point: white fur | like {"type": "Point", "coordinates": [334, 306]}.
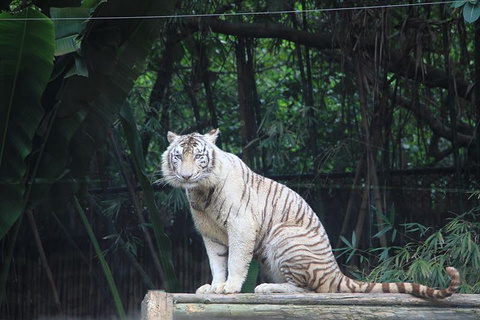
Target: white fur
{"type": "Point", "coordinates": [229, 246]}
{"type": "Point", "coordinates": [239, 213]}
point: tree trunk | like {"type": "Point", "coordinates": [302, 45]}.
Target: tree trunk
{"type": "Point", "coordinates": [477, 93]}
{"type": "Point", "coordinates": [453, 111]}
{"type": "Point", "coordinates": [371, 151]}
{"type": "Point", "coordinates": [158, 106]}
{"type": "Point", "coordinates": [246, 94]}
{"type": "Point", "coordinates": [207, 85]}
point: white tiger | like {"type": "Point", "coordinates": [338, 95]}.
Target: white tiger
{"type": "Point", "coordinates": [241, 214]}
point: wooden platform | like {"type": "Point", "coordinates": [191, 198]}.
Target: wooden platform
{"type": "Point", "coordinates": [166, 306]}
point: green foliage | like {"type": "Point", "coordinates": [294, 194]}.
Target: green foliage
{"type": "Point", "coordinates": [471, 9]}
{"type": "Point", "coordinates": [26, 62]}
{"type": "Point", "coordinates": [350, 249]}
{"type": "Point", "coordinates": [457, 244]}
{"type": "Point", "coordinates": [85, 107]}
{"type": "Point", "coordinates": [47, 145]}
{"type": "Point", "coordinates": [251, 279]}
{"type": "Point", "coordinates": [69, 23]}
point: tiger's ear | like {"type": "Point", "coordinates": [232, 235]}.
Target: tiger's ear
{"type": "Point", "coordinates": [171, 136]}
{"type": "Point", "coordinates": [212, 135]}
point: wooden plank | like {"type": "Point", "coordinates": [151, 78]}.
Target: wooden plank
{"type": "Point", "coordinates": [307, 306]}
{"type": "Point", "coordinates": [458, 300]}
{"type": "Point", "coordinates": [157, 305]}
{"type": "Point", "coordinates": [312, 312]}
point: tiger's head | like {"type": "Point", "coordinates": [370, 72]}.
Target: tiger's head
{"type": "Point", "coordinates": [189, 159]}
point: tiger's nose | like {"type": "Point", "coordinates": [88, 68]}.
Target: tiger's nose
{"type": "Point", "coordinates": [187, 176]}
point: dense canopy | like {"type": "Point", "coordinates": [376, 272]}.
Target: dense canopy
{"type": "Point", "coordinates": [369, 109]}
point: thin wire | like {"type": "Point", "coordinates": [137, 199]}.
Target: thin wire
{"type": "Point", "coordinates": [255, 13]}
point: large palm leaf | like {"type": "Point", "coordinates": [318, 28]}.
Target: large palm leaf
{"type": "Point", "coordinates": [26, 62]}
{"type": "Point", "coordinates": [115, 51]}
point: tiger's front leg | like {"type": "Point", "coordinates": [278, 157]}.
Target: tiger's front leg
{"type": "Point", "coordinates": [241, 243]}
{"type": "Point", "coordinates": [217, 257]}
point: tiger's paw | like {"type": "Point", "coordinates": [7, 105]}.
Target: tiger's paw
{"type": "Point", "coordinates": [233, 286]}
{"type": "Point", "coordinates": [211, 288]}
{"type": "Point", "coordinates": [279, 288]}
{"type": "Point", "coordinates": [263, 288]}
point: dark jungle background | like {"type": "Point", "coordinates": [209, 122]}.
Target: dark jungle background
{"type": "Point", "coordinates": [368, 109]}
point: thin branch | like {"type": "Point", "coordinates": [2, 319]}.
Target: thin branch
{"type": "Point", "coordinates": [420, 110]}
{"type": "Point", "coordinates": [428, 75]}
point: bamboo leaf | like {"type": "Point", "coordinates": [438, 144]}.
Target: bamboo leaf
{"type": "Point", "coordinates": [344, 240]}
{"type": "Point", "coordinates": [383, 231]}
{"type": "Point", "coordinates": [350, 256]}
{"type": "Point", "coordinates": [101, 258]}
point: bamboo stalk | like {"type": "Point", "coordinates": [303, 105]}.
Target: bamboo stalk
{"type": "Point", "coordinates": [362, 214]}
{"type": "Point", "coordinates": [43, 258]}
{"type": "Point", "coordinates": [348, 211]}
{"type": "Point", "coordinates": [451, 104]}
{"type": "Point", "coordinates": [378, 202]}
{"type": "Point", "coordinates": [371, 170]}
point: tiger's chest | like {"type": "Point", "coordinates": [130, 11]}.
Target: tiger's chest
{"type": "Point", "coordinates": [211, 212]}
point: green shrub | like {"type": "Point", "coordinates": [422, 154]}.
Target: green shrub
{"type": "Point", "coordinates": [456, 244]}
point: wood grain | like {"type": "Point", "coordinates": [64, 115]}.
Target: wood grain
{"type": "Point", "coordinates": [307, 306]}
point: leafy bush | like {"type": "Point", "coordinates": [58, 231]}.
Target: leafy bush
{"type": "Point", "coordinates": [456, 244]}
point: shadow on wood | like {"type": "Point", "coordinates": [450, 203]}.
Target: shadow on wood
{"type": "Point", "coordinates": [167, 306]}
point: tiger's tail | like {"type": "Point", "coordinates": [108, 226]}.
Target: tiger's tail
{"type": "Point", "coordinates": [348, 285]}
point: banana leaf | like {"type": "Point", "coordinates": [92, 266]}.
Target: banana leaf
{"type": "Point", "coordinates": [26, 63]}
{"type": "Point", "coordinates": [69, 24]}
{"type": "Point", "coordinates": [116, 51]}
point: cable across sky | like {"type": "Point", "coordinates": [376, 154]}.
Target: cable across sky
{"type": "Point", "coordinates": [251, 13]}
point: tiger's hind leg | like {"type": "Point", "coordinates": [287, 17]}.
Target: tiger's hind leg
{"type": "Point", "coordinates": [287, 262]}
{"type": "Point", "coordinates": [279, 288]}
